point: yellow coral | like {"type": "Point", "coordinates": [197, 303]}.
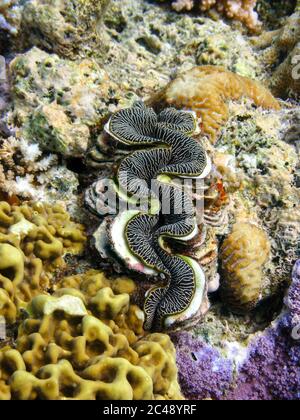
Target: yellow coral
{"type": "Point", "coordinates": [33, 240]}
{"type": "Point", "coordinates": [63, 352]}
{"type": "Point", "coordinates": [243, 255]}
{"type": "Point", "coordinates": [207, 89]}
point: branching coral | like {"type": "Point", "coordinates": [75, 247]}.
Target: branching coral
{"type": "Point", "coordinates": [240, 10]}
{"type": "Point", "coordinates": [69, 349]}
{"type": "Point", "coordinates": [33, 240]}
{"type": "Point", "coordinates": [21, 164]}
{"type": "Point", "coordinates": [280, 49]}
{"type": "Point", "coordinates": [243, 255]}
{"type": "Point", "coordinates": [136, 236]}
{"type": "Point", "coordinates": [206, 90]}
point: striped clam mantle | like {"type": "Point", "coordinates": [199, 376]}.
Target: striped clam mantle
{"type": "Point", "coordinates": [160, 149]}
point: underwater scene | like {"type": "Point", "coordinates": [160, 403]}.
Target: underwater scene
{"type": "Point", "coordinates": [150, 200]}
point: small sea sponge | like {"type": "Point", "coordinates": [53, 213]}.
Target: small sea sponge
{"type": "Point", "coordinates": [206, 90]}
{"type": "Point", "coordinates": [33, 241]}
{"type": "Point", "coordinates": [243, 255]}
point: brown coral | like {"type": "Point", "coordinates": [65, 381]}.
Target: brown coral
{"type": "Point", "coordinates": [65, 351]}
{"type": "Point", "coordinates": [33, 240]}
{"type": "Point", "coordinates": [240, 10]}
{"type": "Point", "coordinates": [280, 49]}
{"type": "Point", "coordinates": [243, 255]}
{"type": "Point", "coordinates": [207, 89]}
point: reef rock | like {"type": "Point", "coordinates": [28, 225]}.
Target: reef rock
{"type": "Point", "coordinates": [57, 102]}
{"type": "Point", "coordinates": [280, 49]}
{"type": "Point", "coordinates": [64, 27]}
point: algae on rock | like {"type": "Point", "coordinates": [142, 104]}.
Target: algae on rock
{"type": "Point", "coordinates": [64, 27]}
{"type": "Point", "coordinates": [56, 102]}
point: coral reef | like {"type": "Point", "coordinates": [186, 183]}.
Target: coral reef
{"type": "Point", "coordinates": [240, 10]}
{"type": "Point", "coordinates": [264, 159]}
{"type": "Point", "coordinates": [21, 165]}
{"type": "Point", "coordinates": [136, 236]}
{"type": "Point", "coordinates": [206, 90]}
{"type": "Point", "coordinates": [272, 368]}
{"type": "Point", "coordinates": [87, 343]}
{"type": "Point", "coordinates": [203, 371]}
{"type": "Point", "coordinates": [243, 255]}
{"type": "Point", "coordinates": [280, 49]}
{"type": "Point", "coordinates": [228, 48]}
{"type": "Point", "coordinates": [57, 102]}
{"type": "Point", "coordinates": [265, 369]}
{"type": "Point", "coordinates": [33, 240]}
{"type": "Point", "coordinates": [64, 27]}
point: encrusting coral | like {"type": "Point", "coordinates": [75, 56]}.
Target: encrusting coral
{"type": "Point", "coordinates": [58, 102]}
{"type": "Point", "coordinates": [206, 90]}
{"type": "Point", "coordinates": [266, 368]}
{"type": "Point", "coordinates": [70, 348]}
{"type": "Point", "coordinates": [33, 240]}
{"type": "Point", "coordinates": [64, 27]}
{"type": "Point", "coordinates": [243, 255]}
{"type": "Point", "coordinates": [279, 50]}
{"type": "Point", "coordinates": [240, 10]}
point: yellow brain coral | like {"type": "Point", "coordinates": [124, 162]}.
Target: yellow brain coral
{"type": "Point", "coordinates": [71, 348]}
{"type": "Point", "coordinates": [207, 89]}
{"type": "Point", "coordinates": [243, 255]}
{"type": "Point", "coordinates": [33, 240]}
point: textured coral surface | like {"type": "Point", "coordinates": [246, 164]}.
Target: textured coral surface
{"type": "Point", "coordinates": [34, 238]}
{"type": "Point", "coordinates": [207, 89]}
{"type": "Point", "coordinates": [87, 342]}
{"type": "Point", "coordinates": [71, 318]}
{"type": "Point", "coordinates": [241, 10]}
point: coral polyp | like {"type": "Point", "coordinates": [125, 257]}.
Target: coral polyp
{"type": "Point", "coordinates": [137, 237]}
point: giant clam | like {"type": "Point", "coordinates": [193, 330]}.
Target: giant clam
{"type": "Point", "coordinates": [160, 150]}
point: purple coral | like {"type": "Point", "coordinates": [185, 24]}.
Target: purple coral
{"type": "Point", "coordinates": [203, 372]}
{"type": "Point", "coordinates": [270, 372]}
